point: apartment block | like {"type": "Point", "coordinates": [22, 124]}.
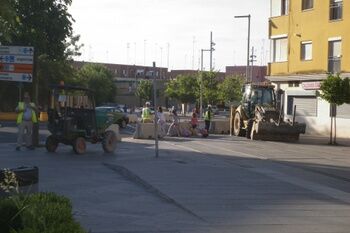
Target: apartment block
{"type": "Point", "coordinates": [309, 39]}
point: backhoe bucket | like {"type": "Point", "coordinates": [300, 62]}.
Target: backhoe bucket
{"type": "Point", "coordinates": [270, 131]}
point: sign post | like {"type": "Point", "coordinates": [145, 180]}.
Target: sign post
{"type": "Point", "coordinates": [16, 63]}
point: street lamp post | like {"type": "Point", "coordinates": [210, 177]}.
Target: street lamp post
{"type": "Point", "coordinates": [248, 47]}
{"type": "Point", "coordinates": [201, 84]}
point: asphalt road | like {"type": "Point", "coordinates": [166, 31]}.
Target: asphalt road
{"type": "Point", "coordinates": [219, 184]}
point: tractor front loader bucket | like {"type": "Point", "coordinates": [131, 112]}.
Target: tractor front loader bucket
{"type": "Point", "coordinates": [270, 131]}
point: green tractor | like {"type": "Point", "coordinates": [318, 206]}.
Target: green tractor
{"type": "Point", "coordinates": [72, 120]}
{"type": "Point", "coordinates": [260, 118]}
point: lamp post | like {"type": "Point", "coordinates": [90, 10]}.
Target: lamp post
{"type": "Point", "coordinates": [247, 68]}
{"type": "Point", "coordinates": [201, 84]}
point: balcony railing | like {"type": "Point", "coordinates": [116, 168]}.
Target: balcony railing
{"type": "Point", "coordinates": [334, 65]}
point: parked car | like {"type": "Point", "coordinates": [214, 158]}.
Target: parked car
{"type": "Point", "coordinates": [117, 114]}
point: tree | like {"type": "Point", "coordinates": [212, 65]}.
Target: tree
{"type": "Point", "coordinates": [210, 87]}
{"type": "Point", "coordinates": [144, 90]}
{"type": "Point", "coordinates": [7, 18]}
{"type": "Point", "coordinates": [230, 89]}
{"type": "Point", "coordinates": [47, 26]}
{"type": "Point", "coordinates": [184, 88]}
{"type": "Point", "coordinates": [99, 79]}
{"type": "Point", "coordinates": [336, 91]}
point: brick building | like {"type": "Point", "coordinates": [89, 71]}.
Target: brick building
{"type": "Point", "coordinates": [258, 72]}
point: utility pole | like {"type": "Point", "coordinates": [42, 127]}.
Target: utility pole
{"type": "Point", "coordinates": [212, 44]}
{"type": "Point", "coordinates": [201, 84]}
{"type": "Point", "coordinates": [252, 60]}
{"type": "Point", "coordinates": [155, 110]}
{"type": "Point", "coordinates": [193, 47]}
{"type": "Point", "coordinates": [127, 52]}
{"type": "Point", "coordinates": [248, 42]}
{"type": "Point", "coordinates": [168, 55]}
{"type": "Point", "coordinates": [144, 52]}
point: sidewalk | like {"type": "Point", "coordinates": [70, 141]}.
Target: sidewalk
{"type": "Point", "coordinates": [323, 140]}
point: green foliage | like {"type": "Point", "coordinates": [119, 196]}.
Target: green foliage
{"type": "Point", "coordinates": [144, 90]}
{"type": "Point", "coordinates": [99, 79]}
{"type": "Point", "coordinates": [230, 89]}
{"type": "Point", "coordinates": [184, 88]}
{"type": "Point", "coordinates": [40, 212]}
{"type": "Point", "coordinates": [210, 87]}
{"type": "Point", "coordinates": [335, 90]}
{"type": "Point", "coordinates": [9, 219]}
{"type": "Point", "coordinates": [46, 25]}
{"type": "Point", "coordinates": [7, 19]}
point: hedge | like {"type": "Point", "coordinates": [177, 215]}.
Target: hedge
{"type": "Point", "coordinates": [39, 212]}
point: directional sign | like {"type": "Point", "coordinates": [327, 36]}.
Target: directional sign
{"type": "Point", "coordinates": [16, 63]}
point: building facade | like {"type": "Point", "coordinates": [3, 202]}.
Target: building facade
{"type": "Point", "coordinates": [257, 73]}
{"type": "Point", "coordinates": [309, 39]}
{"type": "Point", "coordinates": [127, 77]}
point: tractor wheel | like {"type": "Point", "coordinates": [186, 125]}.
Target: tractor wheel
{"type": "Point", "coordinates": [249, 128]}
{"type": "Point", "coordinates": [79, 145]}
{"type": "Point", "coordinates": [237, 125]}
{"type": "Point", "coordinates": [51, 144]}
{"type": "Point", "coordinates": [109, 142]}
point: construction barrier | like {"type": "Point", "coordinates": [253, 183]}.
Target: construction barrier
{"type": "Point", "coordinates": [8, 116]}
{"type": "Point", "coordinates": [12, 116]}
{"type": "Point", "coordinates": [133, 118]}
{"type": "Point", "coordinates": [220, 127]}
{"type": "Point", "coordinates": [43, 117]}
{"type": "Point", "coordinates": [115, 129]}
{"type": "Point", "coordinates": [144, 131]}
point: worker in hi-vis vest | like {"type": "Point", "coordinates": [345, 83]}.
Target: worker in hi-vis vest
{"type": "Point", "coordinates": [26, 117]}
{"type": "Point", "coordinates": [207, 118]}
{"type": "Point", "coordinates": [146, 113]}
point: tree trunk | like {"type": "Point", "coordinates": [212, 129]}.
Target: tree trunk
{"type": "Point", "coordinates": [331, 132]}
{"type": "Point", "coordinates": [335, 131]}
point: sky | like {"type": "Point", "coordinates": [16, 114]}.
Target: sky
{"type": "Point", "coordinates": [170, 32]}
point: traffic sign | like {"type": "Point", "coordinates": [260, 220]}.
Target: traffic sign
{"type": "Point", "coordinates": [16, 63]}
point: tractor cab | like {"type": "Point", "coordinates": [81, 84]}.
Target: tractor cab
{"type": "Point", "coordinates": [257, 95]}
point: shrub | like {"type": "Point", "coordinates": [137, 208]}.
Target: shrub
{"type": "Point", "coordinates": [9, 218]}
{"type": "Point", "coordinates": [40, 212]}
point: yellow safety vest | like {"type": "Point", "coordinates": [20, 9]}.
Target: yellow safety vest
{"type": "Point", "coordinates": [146, 114]}
{"type": "Point", "coordinates": [20, 115]}
{"type": "Point", "coordinates": [206, 116]}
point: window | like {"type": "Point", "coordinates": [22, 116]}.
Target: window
{"type": "Point", "coordinates": [336, 9]}
{"type": "Point", "coordinates": [306, 51]}
{"type": "Point", "coordinates": [280, 49]}
{"type": "Point", "coordinates": [334, 56]}
{"type": "Point", "coordinates": [293, 84]}
{"type": "Point", "coordinates": [279, 7]}
{"type": "Point", "coordinates": [307, 4]}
